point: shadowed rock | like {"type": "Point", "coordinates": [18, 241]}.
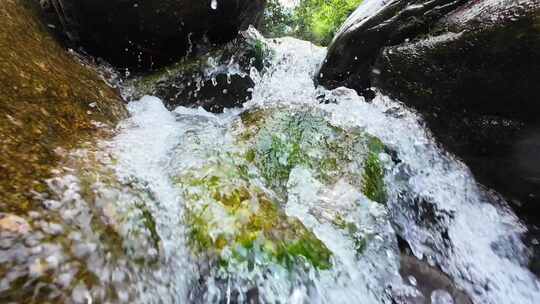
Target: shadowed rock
{"type": "Point", "coordinates": [145, 34]}
{"type": "Point", "coordinates": [475, 78]}
{"type": "Point", "coordinates": [355, 48]}
{"type": "Point", "coordinates": [217, 79]}
{"type": "Point", "coordinates": [471, 68]}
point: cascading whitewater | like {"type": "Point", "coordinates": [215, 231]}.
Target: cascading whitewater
{"type": "Point", "coordinates": [298, 198]}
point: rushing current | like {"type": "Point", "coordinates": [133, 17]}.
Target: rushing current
{"type": "Point", "coordinates": [302, 196]}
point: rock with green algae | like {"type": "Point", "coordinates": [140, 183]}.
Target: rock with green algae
{"type": "Point", "coordinates": [240, 197]}
{"type": "Point", "coordinates": [283, 139]}
{"type": "Point", "coordinates": [234, 199]}
{"type": "Point", "coordinates": [48, 99]}
{"type": "Point", "coordinates": [217, 79]}
{"type": "Point", "coordinates": [234, 221]}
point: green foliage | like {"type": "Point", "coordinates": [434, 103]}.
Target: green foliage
{"type": "Point", "coordinates": [313, 20]}
{"type": "Point", "coordinates": [320, 19]}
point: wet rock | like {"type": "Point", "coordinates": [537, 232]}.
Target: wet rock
{"type": "Point", "coordinates": [435, 286]}
{"type": "Point", "coordinates": [48, 99]}
{"type": "Point", "coordinates": [286, 140]}
{"type": "Point", "coordinates": [239, 233]}
{"type": "Point", "coordinates": [144, 34]}
{"type": "Point", "coordinates": [13, 224]}
{"type": "Point", "coordinates": [240, 190]}
{"type": "Point", "coordinates": [374, 25]}
{"type": "Point", "coordinates": [477, 59]}
{"type": "Point", "coordinates": [217, 79]}
{"type": "Point", "coordinates": [471, 71]}
{"type": "Point", "coordinates": [474, 79]}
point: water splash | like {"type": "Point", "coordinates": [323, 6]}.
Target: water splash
{"type": "Point", "coordinates": [115, 230]}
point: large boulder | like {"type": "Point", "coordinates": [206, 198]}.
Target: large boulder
{"type": "Point", "coordinates": [49, 99]}
{"type": "Point", "coordinates": [484, 57]}
{"type": "Point", "coordinates": [475, 79]}
{"type": "Point", "coordinates": [471, 71]}
{"type": "Point", "coordinates": [374, 25]}
{"type": "Point", "coordinates": [144, 34]}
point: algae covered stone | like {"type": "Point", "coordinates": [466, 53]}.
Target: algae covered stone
{"type": "Point", "coordinates": [48, 99]}
{"type": "Point", "coordinates": [235, 200]}
{"type": "Point", "coordinates": [283, 139]}
{"type": "Point", "coordinates": [234, 221]}
{"type": "Point", "coordinates": [259, 208]}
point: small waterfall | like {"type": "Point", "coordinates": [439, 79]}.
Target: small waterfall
{"type": "Point", "coordinates": [124, 224]}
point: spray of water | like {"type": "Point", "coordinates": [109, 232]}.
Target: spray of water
{"type": "Point", "coordinates": [122, 225]}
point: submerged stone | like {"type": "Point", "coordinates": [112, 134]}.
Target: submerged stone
{"type": "Point", "coordinates": [283, 139]}
{"type": "Point", "coordinates": [220, 78]}
{"type": "Point", "coordinates": [234, 221]}
{"type": "Point", "coordinates": [147, 34]}
{"type": "Point", "coordinates": [236, 179]}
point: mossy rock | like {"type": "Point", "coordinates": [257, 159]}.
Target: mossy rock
{"type": "Point", "coordinates": [122, 214]}
{"type": "Point", "coordinates": [282, 139]}
{"type": "Point", "coordinates": [100, 220]}
{"type": "Point", "coordinates": [241, 187]}
{"type": "Point", "coordinates": [48, 99]}
{"type": "Point", "coordinates": [234, 221]}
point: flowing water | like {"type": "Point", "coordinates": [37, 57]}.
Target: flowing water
{"type": "Point", "coordinates": [300, 197]}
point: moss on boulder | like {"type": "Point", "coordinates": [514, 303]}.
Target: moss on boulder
{"type": "Point", "coordinates": [48, 99]}
{"type": "Point", "coordinates": [234, 221]}
{"type": "Point", "coordinates": [282, 139]}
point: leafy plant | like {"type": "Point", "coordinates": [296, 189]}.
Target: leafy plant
{"type": "Point", "coordinates": [278, 21]}
{"type": "Point", "coordinates": [313, 20]}
{"type": "Point", "coordinates": [319, 20]}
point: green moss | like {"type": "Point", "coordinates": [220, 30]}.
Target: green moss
{"type": "Point", "coordinates": [351, 229]}
{"type": "Point", "coordinates": [283, 139]}
{"type": "Point", "coordinates": [261, 54]}
{"type": "Point", "coordinates": [373, 177]}
{"type": "Point", "coordinates": [299, 139]}
{"type": "Point", "coordinates": [234, 222]}
{"type": "Point", "coordinates": [149, 223]}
